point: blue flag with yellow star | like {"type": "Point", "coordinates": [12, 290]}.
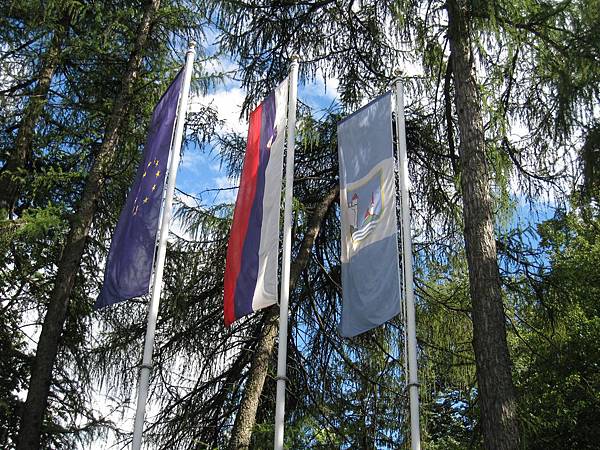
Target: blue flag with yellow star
{"type": "Point", "coordinates": [131, 255]}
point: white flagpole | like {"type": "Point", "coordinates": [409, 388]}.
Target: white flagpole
{"type": "Point", "coordinates": [146, 366]}
{"type": "Point", "coordinates": [287, 250]}
{"type": "Point", "coordinates": [407, 265]}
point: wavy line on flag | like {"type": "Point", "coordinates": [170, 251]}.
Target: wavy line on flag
{"type": "Point", "coordinates": [363, 232]}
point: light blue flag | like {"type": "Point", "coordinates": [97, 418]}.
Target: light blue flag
{"type": "Point", "coordinates": [370, 273]}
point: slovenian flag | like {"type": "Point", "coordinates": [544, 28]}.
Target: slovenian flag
{"type": "Point", "coordinates": [252, 253]}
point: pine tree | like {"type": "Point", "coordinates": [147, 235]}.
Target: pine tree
{"type": "Point", "coordinates": [498, 402]}
{"type": "Point", "coordinates": [13, 170]}
{"type": "Point", "coordinates": [75, 244]}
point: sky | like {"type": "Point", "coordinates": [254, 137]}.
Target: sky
{"type": "Point", "coordinates": [200, 169]}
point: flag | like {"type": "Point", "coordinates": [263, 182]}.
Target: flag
{"type": "Point", "coordinates": [251, 266]}
{"type": "Point", "coordinates": [370, 275]}
{"type": "Point", "coordinates": [131, 255]}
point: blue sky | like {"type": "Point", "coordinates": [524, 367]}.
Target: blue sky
{"type": "Point", "coordinates": [200, 168]}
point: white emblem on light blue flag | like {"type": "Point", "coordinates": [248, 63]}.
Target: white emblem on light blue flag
{"type": "Point", "coordinates": [370, 282]}
{"type": "Point", "coordinates": [365, 207]}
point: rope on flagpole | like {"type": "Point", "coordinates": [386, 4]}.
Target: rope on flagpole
{"type": "Point", "coordinates": [146, 366]}
{"type": "Point", "coordinates": [403, 338]}
{"type": "Point", "coordinates": [398, 74]}
{"type": "Point", "coordinates": [287, 251]}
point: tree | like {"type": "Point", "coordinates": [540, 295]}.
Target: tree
{"type": "Point", "coordinates": [557, 352]}
{"type": "Point", "coordinates": [506, 63]}
{"type": "Point", "coordinates": [13, 171]}
{"type": "Point", "coordinates": [58, 155]}
{"type": "Point", "coordinates": [47, 347]}
{"type": "Point", "coordinates": [13, 375]}
{"type": "Point", "coordinates": [490, 34]}
{"type": "Point", "coordinates": [102, 159]}
{"type": "Point", "coordinates": [288, 33]}
{"type": "Point", "coordinates": [498, 402]}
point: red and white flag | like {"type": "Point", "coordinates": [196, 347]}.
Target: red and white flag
{"type": "Point", "coordinates": [251, 268]}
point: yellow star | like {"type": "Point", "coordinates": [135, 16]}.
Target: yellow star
{"type": "Point", "coordinates": [150, 163]}
{"type": "Point", "coordinates": [153, 187]}
{"type": "Point", "coordinates": [144, 175]}
{"type": "Point", "coordinates": [146, 200]}
{"type": "Point", "coordinates": [158, 173]}
{"type": "Point", "coordinates": [156, 162]}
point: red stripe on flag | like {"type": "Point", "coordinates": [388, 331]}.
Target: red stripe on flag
{"type": "Point", "coordinates": [241, 213]}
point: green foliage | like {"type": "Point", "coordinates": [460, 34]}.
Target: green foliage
{"type": "Point", "coordinates": [13, 372]}
{"type": "Point", "coordinates": [558, 358]}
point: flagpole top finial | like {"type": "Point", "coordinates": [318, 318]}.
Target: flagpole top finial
{"type": "Point", "coordinates": [192, 45]}
{"type": "Point", "coordinates": [398, 72]}
{"type": "Point", "coordinates": [295, 58]}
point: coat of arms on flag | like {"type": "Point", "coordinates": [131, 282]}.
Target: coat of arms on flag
{"type": "Point", "coordinates": [365, 207]}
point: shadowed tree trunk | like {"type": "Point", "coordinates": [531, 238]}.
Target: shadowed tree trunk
{"type": "Point", "coordinates": [496, 390]}
{"type": "Point", "coordinates": [47, 348]}
{"type": "Point", "coordinates": [14, 167]}
{"type": "Point", "coordinates": [246, 417]}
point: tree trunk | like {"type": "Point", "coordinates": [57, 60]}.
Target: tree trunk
{"type": "Point", "coordinates": [496, 390]}
{"type": "Point", "coordinates": [14, 167]}
{"type": "Point", "coordinates": [246, 417]}
{"type": "Point", "coordinates": [47, 348]}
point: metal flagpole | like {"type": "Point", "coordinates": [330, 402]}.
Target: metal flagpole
{"type": "Point", "coordinates": [407, 265]}
{"type": "Point", "coordinates": [146, 366]}
{"type": "Point", "coordinates": [287, 250]}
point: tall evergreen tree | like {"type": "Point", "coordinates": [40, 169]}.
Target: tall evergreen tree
{"type": "Point", "coordinates": [48, 343]}
{"type": "Point", "coordinates": [13, 171]}
{"type": "Point", "coordinates": [83, 125]}
{"type": "Point", "coordinates": [498, 402]}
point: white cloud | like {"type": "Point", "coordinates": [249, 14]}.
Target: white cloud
{"type": "Point", "coordinates": [228, 104]}
{"type": "Point", "coordinates": [215, 166]}
{"type": "Point", "coordinates": [189, 200]}
{"type": "Point", "coordinates": [191, 159]}
{"type": "Point", "coordinates": [320, 93]}
{"type": "Point", "coordinates": [220, 65]}
{"type": "Point", "coordinates": [326, 86]}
